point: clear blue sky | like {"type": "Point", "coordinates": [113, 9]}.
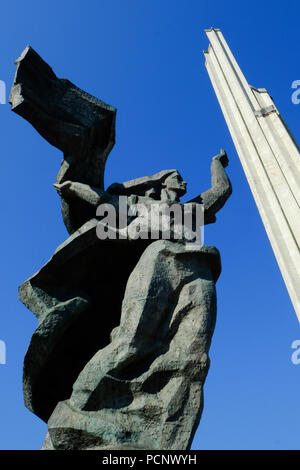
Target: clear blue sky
{"type": "Point", "coordinates": [145, 58]}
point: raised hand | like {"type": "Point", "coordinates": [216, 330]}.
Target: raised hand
{"type": "Point", "coordinates": [222, 157]}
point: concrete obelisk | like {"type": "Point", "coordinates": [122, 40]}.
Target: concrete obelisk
{"type": "Point", "coordinates": [269, 155]}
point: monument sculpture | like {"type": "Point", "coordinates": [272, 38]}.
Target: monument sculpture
{"type": "Point", "coordinates": [120, 354]}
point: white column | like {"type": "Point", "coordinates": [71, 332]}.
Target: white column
{"type": "Point", "coordinates": [269, 155]}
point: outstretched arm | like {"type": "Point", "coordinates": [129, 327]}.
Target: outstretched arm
{"type": "Point", "coordinates": [90, 194]}
{"type": "Point", "coordinates": [214, 198]}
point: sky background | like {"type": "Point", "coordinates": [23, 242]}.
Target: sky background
{"type": "Point", "coordinates": [145, 58]}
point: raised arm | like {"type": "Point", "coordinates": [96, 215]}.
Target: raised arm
{"type": "Point", "coordinates": [214, 198]}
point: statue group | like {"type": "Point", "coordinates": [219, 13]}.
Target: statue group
{"type": "Point", "coordinates": [120, 355]}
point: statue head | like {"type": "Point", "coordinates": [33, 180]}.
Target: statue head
{"type": "Point", "coordinates": [174, 182]}
{"type": "Point", "coordinates": [151, 186]}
